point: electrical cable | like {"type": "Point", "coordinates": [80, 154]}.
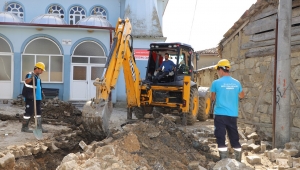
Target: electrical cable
{"type": "Point", "coordinates": [192, 21]}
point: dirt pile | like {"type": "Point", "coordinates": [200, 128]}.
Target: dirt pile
{"type": "Point", "coordinates": [151, 144]}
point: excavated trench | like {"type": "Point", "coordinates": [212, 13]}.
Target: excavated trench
{"type": "Point", "coordinates": [142, 144]}
{"type": "Point", "coordinates": [61, 143]}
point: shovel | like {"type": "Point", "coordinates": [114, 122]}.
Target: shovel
{"type": "Point", "coordinates": [38, 133]}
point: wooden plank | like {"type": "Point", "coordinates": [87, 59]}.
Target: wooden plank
{"type": "Point", "coordinates": [252, 44]}
{"type": "Point", "coordinates": [271, 35]}
{"type": "Point", "coordinates": [295, 43]}
{"type": "Point", "coordinates": [296, 20]}
{"type": "Point", "coordinates": [270, 50]}
{"type": "Point", "coordinates": [295, 48]}
{"type": "Point", "coordinates": [262, 25]}
{"type": "Point", "coordinates": [295, 30]}
{"type": "Point", "coordinates": [270, 10]}
{"type": "Point", "coordinates": [296, 3]}
{"type": "Point", "coordinates": [294, 40]}
{"type": "Point", "coordinates": [264, 36]}
{"type": "Point", "coordinates": [261, 51]}
{"type": "Point", "coordinates": [296, 12]}
{"type": "Point", "coordinates": [265, 24]}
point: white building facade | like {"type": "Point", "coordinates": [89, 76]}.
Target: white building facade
{"type": "Point", "coordinates": [72, 38]}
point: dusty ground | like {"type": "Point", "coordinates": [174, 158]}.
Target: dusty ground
{"type": "Point", "coordinates": [10, 130]}
{"type": "Point", "coordinates": [143, 144]}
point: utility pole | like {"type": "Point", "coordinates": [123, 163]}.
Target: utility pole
{"type": "Point", "coordinates": [283, 92]}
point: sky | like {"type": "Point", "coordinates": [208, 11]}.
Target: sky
{"type": "Point", "coordinates": [201, 23]}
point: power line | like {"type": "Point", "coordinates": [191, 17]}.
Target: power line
{"type": "Point", "coordinates": [192, 21]}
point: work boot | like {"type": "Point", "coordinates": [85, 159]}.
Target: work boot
{"type": "Point", "coordinates": [223, 154]}
{"type": "Point", "coordinates": [39, 125]}
{"type": "Point", "coordinates": [25, 128]}
{"type": "Point", "coordinates": [238, 155]}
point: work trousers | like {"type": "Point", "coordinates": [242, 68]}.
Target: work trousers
{"type": "Point", "coordinates": [29, 108]}
{"type": "Point", "coordinates": [229, 124]}
{"type": "Point", "coordinates": [160, 75]}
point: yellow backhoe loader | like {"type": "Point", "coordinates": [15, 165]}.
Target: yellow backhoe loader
{"type": "Point", "coordinates": [173, 93]}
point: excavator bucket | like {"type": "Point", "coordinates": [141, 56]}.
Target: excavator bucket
{"type": "Point", "coordinates": [96, 117]}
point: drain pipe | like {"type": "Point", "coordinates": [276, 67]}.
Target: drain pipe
{"type": "Point", "coordinates": [274, 83]}
{"type": "Point", "coordinates": [283, 92]}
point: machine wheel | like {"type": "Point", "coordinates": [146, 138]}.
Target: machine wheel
{"type": "Point", "coordinates": [193, 107]}
{"type": "Point", "coordinates": [204, 108]}
{"type": "Point", "coordinates": [139, 112]}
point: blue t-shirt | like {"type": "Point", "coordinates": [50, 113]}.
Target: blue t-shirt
{"type": "Point", "coordinates": [227, 91]}
{"type": "Point", "coordinates": [38, 92]}
{"type": "Point", "coordinates": [168, 65]}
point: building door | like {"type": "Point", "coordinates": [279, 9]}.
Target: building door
{"type": "Point", "coordinates": [83, 79]}
{"type": "Point", "coordinates": [87, 65]}
{"type": "Point", "coordinates": [80, 82]}
{"type": "Point", "coordinates": [6, 60]}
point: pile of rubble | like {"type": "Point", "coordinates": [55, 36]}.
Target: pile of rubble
{"type": "Point", "coordinates": [160, 144]}
{"type": "Point", "coordinates": [55, 111]}
{"type": "Point", "coordinates": [156, 144]}
{"type": "Point", "coordinates": [153, 143]}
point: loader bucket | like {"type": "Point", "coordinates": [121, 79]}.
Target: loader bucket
{"type": "Point", "coordinates": [96, 117]}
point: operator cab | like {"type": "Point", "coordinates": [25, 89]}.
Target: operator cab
{"type": "Point", "coordinates": [180, 54]}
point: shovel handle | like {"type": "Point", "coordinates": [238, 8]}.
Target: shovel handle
{"type": "Point", "coordinates": [34, 99]}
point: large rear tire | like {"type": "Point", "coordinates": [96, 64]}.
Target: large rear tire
{"type": "Point", "coordinates": [204, 107]}
{"type": "Point", "coordinates": [140, 112]}
{"type": "Point", "coordinates": [193, 107]}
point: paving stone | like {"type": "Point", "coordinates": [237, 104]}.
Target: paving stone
{"type": "Point", "coordinates": [252, 136]}
{"type": "Point", "coordinates": [27, 151]}
{"type": "Point", "coordinates": [253, 159]}
{"type": "Point", "coordinates": [53, 148]}
{"type": "Point", "coordinates": [282, 163]}
{"type": "Point", "coordinates": [212, 140]}
{"type": "Point", "coordinates": [82, 145]}
{"type": "Point", "coordinates": [43, 148]}
{"type": "Point", "coordinates": [296, 162]}
{"type": "Point", "coordinates": [193, 165]}
{"type": "Point", "coordinates": [68, 165]}
{"type": "Point", "coordinates": [248, 130]}
{"type": "Point", "coordinates": [271, 154]}
{"type": "Point", "coordinates": [230, 164]}
{"type": "Point", "coordinates": [291, 152]}
{"type": "Point", "coordinates": [255, 148]}
{"type": "Point", "coordinates": [244, 146]}
{"type": "Point", "coordinates": [36, 150]}
{"type": "Point", "coordinates": [263, 147]}
{"type": "Point", "coordinates": [7, 161]}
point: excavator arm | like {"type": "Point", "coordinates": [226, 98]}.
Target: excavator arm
{"type": "Point", "coordinates": [96, 113]}
{"type": "Point", "coordinates": [121, 55]}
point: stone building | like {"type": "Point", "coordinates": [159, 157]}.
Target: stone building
{"type": "Point", "coordinates": [207, 57]}
{"type": "Point", "coordinates": [250, 46]}
{"type": "Point", "coordinates": [73, 39]}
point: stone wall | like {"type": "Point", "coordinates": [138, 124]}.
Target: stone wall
{"type": "Point", "coordinates": [256, 76]}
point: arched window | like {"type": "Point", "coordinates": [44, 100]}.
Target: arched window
{"type": "Point", "coordinates": [76, 13]}
{"type": "Point", "coordinates": [5, 60]}
{"type": "Point", "coordinates": [56, 9]}
{"type": "Point", "coordinates": [47, 51]}
{"type": "Point", "coordinates": [16, 9]}
{"type": "Point", "coordinates": [99, 11]}
{"type": "Point", "coordinates": [89, 53]}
